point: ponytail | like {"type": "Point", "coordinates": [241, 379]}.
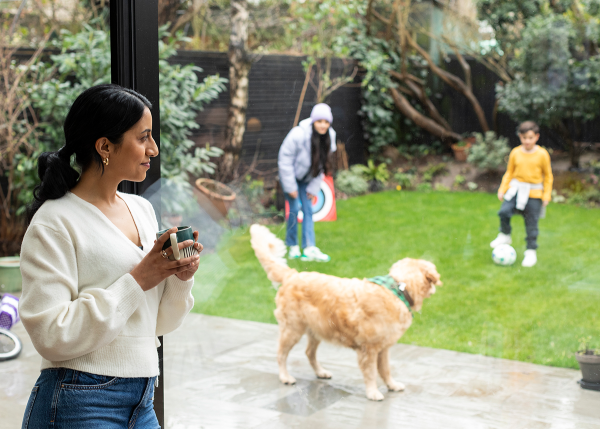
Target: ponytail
{"type": "Point", "coordinates": [100, 111]}
{"type": "Point", "coordinates": [57, 177]}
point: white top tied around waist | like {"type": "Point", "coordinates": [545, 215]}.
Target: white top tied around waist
{"type": "Point", "coordinates": [521, 190]}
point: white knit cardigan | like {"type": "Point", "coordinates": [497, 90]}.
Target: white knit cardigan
{"type": "Point", "coordinates": [80, 306]}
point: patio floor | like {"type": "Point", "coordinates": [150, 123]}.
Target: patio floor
{"type": "Point", "coordinates": [222, 373]}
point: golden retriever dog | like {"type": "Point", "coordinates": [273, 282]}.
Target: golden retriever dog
{"type": "Point", "coordinates": [355, 313]}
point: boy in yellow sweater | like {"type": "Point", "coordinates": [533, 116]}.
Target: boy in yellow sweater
{"type": "Point", "coordinates": [526, 188]}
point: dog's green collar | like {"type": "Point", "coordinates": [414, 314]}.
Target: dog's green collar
{"type": "Point", "coordinates": [399, 289]}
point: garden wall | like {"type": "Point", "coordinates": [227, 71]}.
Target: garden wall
{"type": "Point", "coordinates": [274, 91]}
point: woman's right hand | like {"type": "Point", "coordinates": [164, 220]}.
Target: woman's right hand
{"type": "Point", "coordinates": [293, 195]}
{"type": "Point", "coordinates": [500, 196]}
{"type": "Point", "coordinates": [154, 268]}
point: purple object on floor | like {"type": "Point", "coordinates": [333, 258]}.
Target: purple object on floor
{"type": "Point", "coordinates": [9, 311]}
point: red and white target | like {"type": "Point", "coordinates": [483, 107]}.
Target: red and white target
{"type": "Point", "coordinates": [323, 205]}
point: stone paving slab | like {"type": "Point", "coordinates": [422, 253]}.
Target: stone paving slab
{"type": "Point", "coordinates": [222, 373]}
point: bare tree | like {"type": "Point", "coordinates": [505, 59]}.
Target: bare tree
{"type": "Point", "coordinates": [240, 62]}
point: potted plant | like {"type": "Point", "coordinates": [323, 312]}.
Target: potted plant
{"type": "Point", "coordinates": [589, 362]}
{"type": "Point", "coordinates": [461, 150]}
{"type": "Point", "coordinates": [215, 193]}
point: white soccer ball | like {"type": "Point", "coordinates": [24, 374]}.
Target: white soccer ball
{"type": "Point", "coordinates": [504, 254]}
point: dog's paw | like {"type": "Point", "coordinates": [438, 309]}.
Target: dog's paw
{"type": "Point", "coordinates": [289, 380]}
{"type": "Point", "coordinates": [375, 395]}
{"type": "Point", "coordinates": [324, 374]}
{"type": "Point", "coordinates": [395, 386]}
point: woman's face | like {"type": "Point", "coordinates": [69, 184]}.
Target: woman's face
{"type": "Point", "coordinates": [321, 126]}
{"type": "Point", "coordinates": [132, 158]}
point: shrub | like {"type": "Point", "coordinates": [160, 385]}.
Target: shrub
{"type": "Point", "coordinates": [441, 188]}
{"type": "Point", "coordinates": [405, 179]}
{"type": "Point", "coordinates": [373, 173]}
{"type": "Point", "coordinates": [84, 61]}
{"type": "Point", "coordinates": [459, 180]}
{"type": "Point", "coordinates": [434, 170]}
{"type": "Point", "coordinates": [587, 197]}
{"type": "Point", "coordinates": [351, 182]}
{"type": "Point", "coordinates": [489, 151]}
{"type": "Point", "coordinates": [556, 198]}
{"type": "Point", "coordinates": [424, 187]}
{"type": "Point", "coordinates": [472, 186]}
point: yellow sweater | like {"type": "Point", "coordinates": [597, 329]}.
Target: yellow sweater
{"type": "Point", "coordinates": [531, 168]}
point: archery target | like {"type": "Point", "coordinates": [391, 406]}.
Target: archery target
{"type": "Point", "coordinates": [323, 205]}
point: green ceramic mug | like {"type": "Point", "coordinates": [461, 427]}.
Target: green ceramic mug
{"type": "Point", "coordinates": [183, 233]}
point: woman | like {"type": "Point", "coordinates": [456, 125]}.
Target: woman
{"type": "Point", "coordinates": [97, 288]}
{"type": "Point", "coordinates": [303, 161]}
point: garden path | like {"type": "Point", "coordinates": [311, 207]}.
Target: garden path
{"type": "Point", "coordinates": [222, 373]}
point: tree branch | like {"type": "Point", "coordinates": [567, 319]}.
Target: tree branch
{"type": "Point", "coordinates": [418, 91]}
{"type": "Point", "coordinates": [420, 120]}
{"type": "Point", "coordinates": [380, 17]}
{"type": "Point", "coordinates": [453, 81]}
{"type": "Point", "coordinates": [368, 17]}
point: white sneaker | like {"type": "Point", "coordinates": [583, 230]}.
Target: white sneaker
{"type": "Point", "coordinates": [501, 239]}
{"type": "Point", "coordinates": [530, 258]}
{"type": "Point", "coordinates": [313, 253]}
{"type": "Point", "coordinates": [294, 252]}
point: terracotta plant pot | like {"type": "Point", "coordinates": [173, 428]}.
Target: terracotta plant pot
{"type": "Point", "coordinates": [10, 274]}
{"type": "Point", "coordinates": [461, 152]}
{"type": "Point", "coordinates": [590, 369]}
{"type": "Point", "coordinates": [219, 195]}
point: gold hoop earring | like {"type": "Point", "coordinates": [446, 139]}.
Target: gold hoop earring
{"type": "Point", "coordinates": [105, 161]}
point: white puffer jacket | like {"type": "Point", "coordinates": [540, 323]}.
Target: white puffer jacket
{"type": "Point", "coordinates": [294, 158]}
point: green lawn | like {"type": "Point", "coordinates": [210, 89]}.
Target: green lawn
{"type": "Point", "coordinates": [535, 315]}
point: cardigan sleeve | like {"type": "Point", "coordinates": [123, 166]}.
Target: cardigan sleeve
{"type": "Point", "coordinates": [175, 303]}
{"type": "Point", "coordinates": [63, 322]}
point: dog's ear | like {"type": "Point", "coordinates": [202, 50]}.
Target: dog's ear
{"type": "Point", "coordinates": [431, 273]}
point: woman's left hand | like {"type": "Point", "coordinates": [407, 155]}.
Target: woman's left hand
{"type": "Point", "coordinates": [188, 274]}
{"type": "Point", "coordinates": [310, 196]}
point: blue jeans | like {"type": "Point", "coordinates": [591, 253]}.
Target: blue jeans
{"type": "Point", "coordinates": [308, 229]}
{"type": "Point", "coordinates": [65, 398]}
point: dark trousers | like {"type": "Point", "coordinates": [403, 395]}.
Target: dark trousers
{"type": "Point", "coordinates": [531, 213]}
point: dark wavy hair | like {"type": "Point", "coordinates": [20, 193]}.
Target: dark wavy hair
{"type": "Point", "coordinates": [320, 144]}
{"type": "Point", "coordinates": [100, 111]}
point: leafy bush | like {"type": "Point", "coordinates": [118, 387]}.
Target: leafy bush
{"type": "Point", "coordinates": [459, 180]}
{"type": "Point", "coordinates": [424, 187]}
{"type": "Point", "coordinates": [488, 152]}
{"type": "Point", "coordinates": [383, 124]}
{"type": "Point", "coordinates": [421, 150]}
{"type": "Point", "coordinates": [374, 173]}
{"type": "Point", "coordinates": [405, 180]}
{"type": "Point", "coordinates": [441, 188]}
{"type": "Point", "coordinates": [84, 61]}
{"type": "Point", "coordinates": [434, 170]}
{"type": "Point", "coordinates": [556, 198]}
{"type": "Point", "coordinates": [587, 197]}
{"type": "Point", "coordinates": [351, 182]}
{"type": "Point", "coordinates": [472, 186]}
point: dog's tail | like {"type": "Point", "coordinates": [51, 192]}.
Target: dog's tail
{"type": "Point", "coordinates": [270, 252]}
